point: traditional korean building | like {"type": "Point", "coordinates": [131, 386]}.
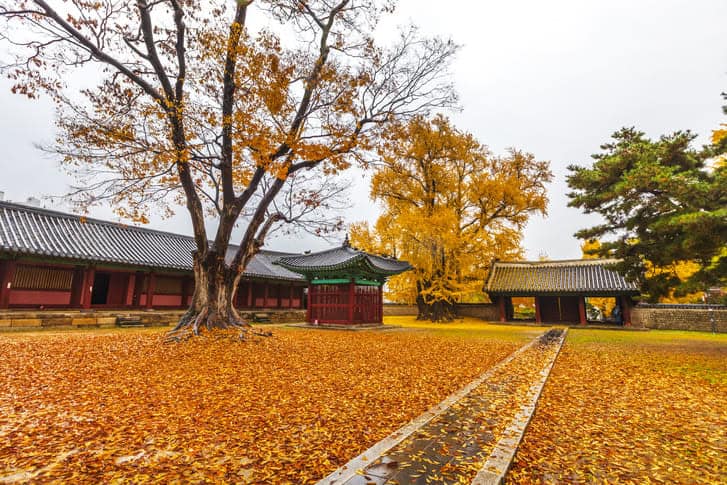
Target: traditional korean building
{"type": "Point", "coordinates": [345, 284]}
{"type": "Point", "coordinates": [559, 288]}
{"type": "Point", "coordinates": [50, 259]}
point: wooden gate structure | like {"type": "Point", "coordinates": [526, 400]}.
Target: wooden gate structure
{"type": "Point", "coordinates": [345, 285]}
{"type": "Point", "coordinates": [560, 288]}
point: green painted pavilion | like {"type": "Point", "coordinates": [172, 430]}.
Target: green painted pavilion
{"type": "Point", "coordinates": [345, 284]}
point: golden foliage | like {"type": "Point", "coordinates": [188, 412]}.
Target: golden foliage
{"type": "Point", "coordinates": [719, 134]}
{"type": "Point", "coordinates": [108, 406]}
{"type": "Point", "coordinates": [589, 250]}
{"type": "Point", "coordinates": [450, 207]}
{"type": "Point", "coordinates": [630, 408]}
{"type": "Point", "coordinates": [682, 269]}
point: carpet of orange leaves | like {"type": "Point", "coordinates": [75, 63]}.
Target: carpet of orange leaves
{"type": "Point", "coordinates": [630, 408]}
{"type": "Point", "coordinates": [101, 406]}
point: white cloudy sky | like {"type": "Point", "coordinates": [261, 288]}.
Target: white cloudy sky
{"type": "Point", "coordinates": [554, 78]}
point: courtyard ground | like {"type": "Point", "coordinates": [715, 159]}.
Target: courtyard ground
{"type": "Point", "coordinates": [118, 404]}
{"type": "Point", "coordinates": [630, 407]}
{"type": "Point", "coordinates": [102, 405]}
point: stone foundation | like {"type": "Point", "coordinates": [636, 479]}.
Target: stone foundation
{"type": "Point", "coordinates": [57, 319]}
{"type": "Point", "coordinates": [394, 309]}
{"type": "Point", "coordinates": [680, 317]}
{"type": "Point", "coordinates": [483, 311]}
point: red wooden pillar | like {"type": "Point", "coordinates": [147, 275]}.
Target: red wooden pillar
{"type": "Point", "coordinates": [250, 303]}
{"type": "Point", "coordinates": [501, 305]}
{"type": "Point", "coordinates": [381, 303]}
{"type": "Point", "coordinates": [150, 290]}
{"type": "Point", "coordinates": [582, 310]}
{"type": "Point", "coordinates": [351, 300]}
{"type": "Point", "coordinates": [290, 295]}
{"type": "Point", "coordinates": [309, 304]}
{"type": "Point", "coordinates": [127, 284]}
{"type": "Point", "coordinates": [280, 296]}
{"type": "Point", "coordinates": [538, 316]}
{"type": "Point", "coordinates": [265, 295]}
{"type": "Point", "coordinates": [626, 309]}
{"type": "Point", "coordinates": [7, 275]}
{"type": "Point", "coordinates": [87, 287]}
{"type": "Point", "coordinates": [138, 282]}
{"type": "Point", "coordinates": [77, 284]}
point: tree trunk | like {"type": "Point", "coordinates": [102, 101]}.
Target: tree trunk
{"type": "Point", "coordinates": [212, 305]}
{"type": "Point", "coordinates": [437, 311]}
{"type": "Point", "coordinates": [434, 311]}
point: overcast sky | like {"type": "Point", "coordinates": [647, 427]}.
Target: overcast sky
{"type": "Point", "coordinates": [553, 78]}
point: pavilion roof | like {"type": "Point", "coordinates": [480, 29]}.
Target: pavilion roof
{"type": "Point", "coordinates": [587, 277]}
{"type": "Point", "coordinates": [44, 233]}
{"type": "Point", "coordinates": [343, 261]}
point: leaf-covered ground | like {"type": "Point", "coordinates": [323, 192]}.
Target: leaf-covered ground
{"type": "Point", "coordinates": [97, 406]}
{"type": "Point", "coordinates": [630, 407]}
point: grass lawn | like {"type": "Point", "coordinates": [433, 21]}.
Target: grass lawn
{"type": "Point", "coordinates": [631, 407]}
{"type": "Point", "coordinates": [101, 405]}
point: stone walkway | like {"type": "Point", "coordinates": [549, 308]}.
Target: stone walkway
{"type": "Point", "coordinates": [454, 441]}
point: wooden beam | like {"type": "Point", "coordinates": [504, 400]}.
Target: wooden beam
{"type": "Point", "coordinates": [7, 275]}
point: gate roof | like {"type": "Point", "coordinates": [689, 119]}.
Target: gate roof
{"type": "Point", "coordinates": [587, 277]}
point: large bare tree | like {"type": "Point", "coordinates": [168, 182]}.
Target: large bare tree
{"type": "Point", "coordinates": [189, 104]}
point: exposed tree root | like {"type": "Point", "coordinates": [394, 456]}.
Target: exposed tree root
{"type": "Point", "coordinates": [203, 323]}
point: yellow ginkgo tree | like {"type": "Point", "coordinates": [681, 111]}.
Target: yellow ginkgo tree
{"type": "Point", "coordinates": [449, 208]}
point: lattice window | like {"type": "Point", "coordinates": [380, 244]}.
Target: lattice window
{"type": "Point", "coordinates": [28, 277]}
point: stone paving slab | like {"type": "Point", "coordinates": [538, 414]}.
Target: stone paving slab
{"type": "Point", "coordinates": [452, 444]}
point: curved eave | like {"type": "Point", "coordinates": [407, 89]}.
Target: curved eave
{"type": "Point", "coordinates": [75, 258]}
{"type": "Point", "coordinates": [347, 264]}
{"type": "Point", "coordinates": [591, 293]}
{"type": "Point", "coordinates": [245, 274]}
{"type": "Point", "coordinates": [405, 267]}
{"type": "Point", "coordinates": [359, 262]}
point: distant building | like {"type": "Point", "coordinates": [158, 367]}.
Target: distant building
{"type": "Point", "coordinates": [559, 288]}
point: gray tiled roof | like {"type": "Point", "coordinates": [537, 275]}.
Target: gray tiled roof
{"type": "Point", "coordinates": [56, 235]}
{"type": "Point", "coordinates": [342, 258]}
{"type": "Point", "coordinates": [583, 276]}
